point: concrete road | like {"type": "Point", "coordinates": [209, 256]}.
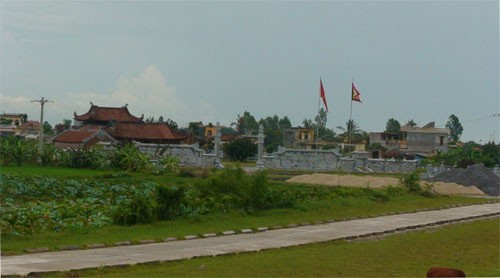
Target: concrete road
{"type": "Point", "coordinates": [176, 250]}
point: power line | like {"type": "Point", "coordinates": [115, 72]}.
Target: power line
{"type": "Point", "coordinates": [483, 118]}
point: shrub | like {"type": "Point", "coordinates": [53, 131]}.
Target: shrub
{"type": "Point", "coordinates": [411, 181]}
{"type": "Point", "coordinates": [128, 157]}
{"type": "Point", "coordinates": [140, 208]}
{"type": "Point", "coordinates": [170, 200]}
{"type": "Point", "coordinates": [168, 164]}
{"type": "Point", "coordinates": [233, 188]}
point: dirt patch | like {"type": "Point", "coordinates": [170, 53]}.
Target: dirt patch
{"type": "Point", "coordinates": [380, 182]}
{"type": "Point", "coordinates": [345, 180]}
{"type": "Point", "coordinates": [475, 175]}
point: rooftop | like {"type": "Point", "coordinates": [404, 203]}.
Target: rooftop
{"type": "Point", "coordinates": [107, 114]}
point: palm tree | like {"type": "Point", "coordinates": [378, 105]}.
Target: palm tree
{"type": "Point", "coordinates": [351, 131]}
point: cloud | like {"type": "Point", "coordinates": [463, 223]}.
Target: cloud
{"type": "Point", "coordinates": [148, 94]}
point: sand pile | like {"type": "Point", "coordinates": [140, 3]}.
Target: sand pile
{"type": "Point", "coordinates": [345, 180]}
{"type": "Point", "coordinates": [475, 175]}
{"type": "Point", "coordinates": [379, 182]}
{"type": "Point", "coordinates": [450, 188]}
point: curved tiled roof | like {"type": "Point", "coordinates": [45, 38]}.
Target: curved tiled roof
{"type": "Point", "coordinates": [73, 136]}
{"type": "Point", "coordinates": [147, 131]}
{"type": "Point", "coordinates": [118, 114]}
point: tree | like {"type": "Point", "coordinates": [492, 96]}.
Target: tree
{"type": "Point", "coordinates": [351, 130]}
{"type": "Point", "coordinates": [273, 130]}
{"type": "Point", "coordinates": [393, 126]}
{"type": "Point", "coordinates": [411, 123]}
{"type": "Point", "coordinates": [490, 154]}
{"type": "Point", "coordinates": [47, 128]}
{"type": "Point", "coordinates": [171, 123]}
{"type": "Point", "coordinates": [160, 119]}
{"type": "Point", "coordinates": [67, 123]}
{"type": "Point", "coordinates": [240, 149]}
{"type": "Point", "coordinates": [129, 157]}
{"type": "Point", "coordinates": [308, 123]}
{"type": "Point", "coordinates": [246, 124]}
{"type": "Point", "coordinates": [321, 118]}
{"type": "Point", "coordinates": [455, 127]}
{"type": "Point", "coordinates": [285, 123]}
{"type": "Point", "coordinates": [196, 128]}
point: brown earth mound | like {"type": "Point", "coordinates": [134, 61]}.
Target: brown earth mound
{"type": "Point", "coordinates": [379, 182]}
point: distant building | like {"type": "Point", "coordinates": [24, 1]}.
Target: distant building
{"type": "Point", "coordinates": [210, 131]}
{"type": "Point", "coordinates": [81, 139]}
{"type": "Point", "coordinates": [10, 123]}
{"type": "Point", "coordinates": [114, 124]}
{"type": "Point", "coordinates": [103, 116]}
{"type": "Point", "coordinates": [298, 138]}
{"type": "Point", "coordinates": [14, 118]}
{"type": "Point", "coordinates": [30, 128]}
{"type": "Point", "coordinates": [426, 140]}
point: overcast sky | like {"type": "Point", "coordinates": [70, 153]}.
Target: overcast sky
{"type": "Point", "coordinates": [210, 61]}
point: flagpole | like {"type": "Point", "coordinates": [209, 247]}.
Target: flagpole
{"type": "Point", "coordinates": [317, 128]}
{"type": "Point", "coordinates": [350, 118]}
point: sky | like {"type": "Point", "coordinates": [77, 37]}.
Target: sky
{"type": "Point", "coordinates": [211, 61]}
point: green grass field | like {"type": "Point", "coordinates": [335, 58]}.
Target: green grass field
{"type": "Point", "coordinates": [218, 222]}
{"type": "Point", "coordinates": [309, 211]}
{"type": "Point", "coordinates": [472, 247]}
{"type": "Point", "coordinates": [47, 171]}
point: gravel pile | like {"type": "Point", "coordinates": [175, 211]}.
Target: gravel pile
{"type": "Point", "coordinates": [475, 175]}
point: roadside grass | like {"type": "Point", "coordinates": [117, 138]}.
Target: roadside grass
{"type": "Point", "coordinates": [472, 247]}
{"type": "Point", "coordinates": [320, 210]}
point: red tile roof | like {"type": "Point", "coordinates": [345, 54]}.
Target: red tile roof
{"type": "Point", "coordinates": [73, 136]}
{"type": "Point", "coordinates": [118, 114]}
{"type": "Point", "coordinates": [145, 131]}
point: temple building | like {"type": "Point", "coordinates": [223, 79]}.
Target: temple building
{"type": "Point", "coordinates": [114, 125]}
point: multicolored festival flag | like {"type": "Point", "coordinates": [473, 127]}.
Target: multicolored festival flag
{"type": "Point", "coordinates": [322, 94]}
{"type": "Point", "coordinates": [356, 96]}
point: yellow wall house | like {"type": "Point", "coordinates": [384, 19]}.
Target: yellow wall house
{"type": "Point", "coordinates": [298, 138]}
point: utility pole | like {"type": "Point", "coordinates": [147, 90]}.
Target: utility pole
{"type": "Point", "coordinates": [40, 136]}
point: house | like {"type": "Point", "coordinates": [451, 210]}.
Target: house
{"type": "Point", "coordinates": [13, 118]}
{"type": "Point", "coordinates": [298, 138]}
{"type": "Point", "coordinates": [210, 130]}
{"type": "Point", "coordinates": [426, 140]}
{"type": "Point", "coordinates": [114, 124]}
{"type": "Point", "coordinates": [30, 128]}
{"type": "Point", "coordinates": [10, 123]}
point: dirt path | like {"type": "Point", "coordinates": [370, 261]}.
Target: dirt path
{"type": "Point", "coordinates": [380, 182]}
